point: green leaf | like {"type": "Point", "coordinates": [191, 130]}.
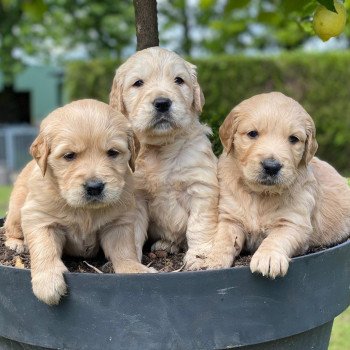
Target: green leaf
{"type": "Point", "coordinates": [235, 4]}
{"type": "Point", "coordinates": [205, 4]}
{"type": "Point", "coordinates": [35, 9]}
{"type": "Point", "coordinates": [294, 5]}
{"type": "Point", "coordinates": [272, 18]}
{"type": "Point", "coordinates": [328, 4]}
{"type": "Point", "coordinates": [7, 4]}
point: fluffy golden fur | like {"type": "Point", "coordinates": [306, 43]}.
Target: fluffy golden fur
{"type": "Point", "coordinates": [176, 168]}
{"type": "Point", "coordinates": [276, 198]}
{"type": "Point", "coordinates": [76, 196]}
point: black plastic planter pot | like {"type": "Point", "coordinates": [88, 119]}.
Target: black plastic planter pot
{"type": "Point", "coordinates": [223, 309]}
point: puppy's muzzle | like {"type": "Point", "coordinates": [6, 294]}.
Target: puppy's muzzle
{"type": "Point", "coordinates": [162, 118]}
{"type": "Point", "coordinates": [270, 171]}
{"type": "Point", "coordinates": [94, 188]}
{"type": "Point", "coordinates": [162, 104]}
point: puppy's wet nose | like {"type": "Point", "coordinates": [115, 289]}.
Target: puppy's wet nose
{"type": "Point", "coordinates": [94, 187]}
{"type": "Point", "coordinates": [271, 166]}
{"type": "Point", "coordinates": [162, 104]}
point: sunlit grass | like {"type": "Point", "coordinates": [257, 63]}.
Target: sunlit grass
{"type": "Point", "coordinates": [340, 339]}
{"type": "Point", "coordinates": [4, 197]}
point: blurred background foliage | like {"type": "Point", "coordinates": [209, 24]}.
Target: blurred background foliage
{"type": "Point", "coordinates": [47, 30]}
{"type": "Point", "coordinates": [241, 47]}
{"type": "Point", "coordinates": [54, 31]}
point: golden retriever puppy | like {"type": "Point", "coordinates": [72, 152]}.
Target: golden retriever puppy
{"type": "Point", "coordinates": [76, 196]}
{"type": "Point", "coordinates": [276, 198]}
{"type": "Point", "coordinates": [176, 169]}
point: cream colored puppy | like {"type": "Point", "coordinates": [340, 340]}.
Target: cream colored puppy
{"type": "Point", "coordinates": [276, 199]}
{"type": "Point", "coordinates": [176, 169]}
{"type": "Point", "coordinates": [76, 196]}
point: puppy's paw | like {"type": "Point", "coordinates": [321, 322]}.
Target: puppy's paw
{"type": "Point", "coordinates": [195, 261]}
{"type": "Point", "coordinates": [222, 261]}
{"type": "Point", "coordinates": [49, 286]}
{"type": "Point", "coordinates": [133, 267]}
{"type": "Point", "coordinates": [270, 263]}
{"type": "Point", "coordinates": [167, 246]}
{"type": "Point", "coordinates": [17, 245]}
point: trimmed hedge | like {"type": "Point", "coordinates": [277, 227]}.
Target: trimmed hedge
{"type": "Point", "coordinates": [320, 82]}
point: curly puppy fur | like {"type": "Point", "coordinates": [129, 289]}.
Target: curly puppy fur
{"type": "Point", "coordinates": [276, 198]}
{"type": "Point", "coordinates": [76, 196]}
{"type": "Point", "coordinates": [176, 170]}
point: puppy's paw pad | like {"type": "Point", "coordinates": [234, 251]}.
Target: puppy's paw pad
{"type": "Point", "coordinates": [270, 263]}
{"type": "Point", "coordinates": [17, 245]}
{"type": "Point", "coordinates": [167, 246]}
{"type": "Point", "coordinates": [49, 287]}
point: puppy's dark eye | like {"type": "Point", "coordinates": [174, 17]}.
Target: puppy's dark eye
{"type": "Point", "coordinates": [112, 153]}
{"type": "Point", "coordinates": [253, 134]}
{"type": "Point", "coordinates": [138, 83]}
{"type": "Point", "coordinates": [293, 139]}
{"type": "Point", "coordinates": [70, 156]}
{"type": "Point", "coordinates": [179, 81]}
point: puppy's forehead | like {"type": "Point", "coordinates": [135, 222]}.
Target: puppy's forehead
{"type": "Point", "coordinates": [155, 62]}
{"type": "Point", "coordinates": [86, 122]}
{"type": "Point", "coordinates": [272, 110]}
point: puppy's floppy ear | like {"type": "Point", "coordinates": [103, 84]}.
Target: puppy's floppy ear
{"type": "Point", "coordinates": [40, 150]}
{"type": "Point", "coordinates": [198, 96]}
{"type": "Point", "coordinates": [134, 147]}
{"type": "Point", "coordinates": [116, 95]}
{"type": "Point", "coordinates": [311, 143]}
{"type": "Point", "coordinates": [228, 129]}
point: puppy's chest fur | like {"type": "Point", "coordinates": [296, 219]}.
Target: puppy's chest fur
{"type": "Point", "coordinates": [82, 233]}
{"type": "Point", "coordinates": [256, 214]}
{"type": "Point", "coordinates": [163, 176]}
{"type": "Point", "coordinates": [169, 176]}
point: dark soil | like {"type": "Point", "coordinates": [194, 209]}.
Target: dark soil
{"type": "Point", "coordinates": [160, 260]}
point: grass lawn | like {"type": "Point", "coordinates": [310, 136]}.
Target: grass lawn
{"type": "Point", "coordinates": [340, 339]}
{"type": "Point", "coordinates": [4, 196]}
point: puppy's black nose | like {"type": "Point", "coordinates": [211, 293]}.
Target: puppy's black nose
{"type": "Point", "coordinates": [162, 104]}
{"type": "Point", "coordinates": [94, 187]}
{"type": "Point", "coordinates": [271, 166]}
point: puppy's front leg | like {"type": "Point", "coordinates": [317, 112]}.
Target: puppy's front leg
{"type": "Point", "coordinates": [45, 247]}
{"type": "Point", "coordinates": [118, 244]}
{"type": "Point", "coordinates": [12, 228]}
{"type": "Point", "coordinates": [141, 222]}
{"type": "Point", "coordinates": [201, 230]}
{"type": "Point", "coordinates": [228, 244]}
{"type": "Point", "coordinates": [273, 255]}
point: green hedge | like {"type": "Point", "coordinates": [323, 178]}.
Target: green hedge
{"type": "Point", "coordinates": [320, 82]}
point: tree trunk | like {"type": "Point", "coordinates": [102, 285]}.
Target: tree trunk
{"type": "Point", "coordinates": [146, 23]}
{"type": "Point", "coordinates": [187, 41]}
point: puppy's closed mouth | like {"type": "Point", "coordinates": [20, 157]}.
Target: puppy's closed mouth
{"type": "Point", "coordinates": [94, 199]}
{"type": "Point", "coordinates": [267, 180]}
{"type": "Point", "coordinates": [163, 121]}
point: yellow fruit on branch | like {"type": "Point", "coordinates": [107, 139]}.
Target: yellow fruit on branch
{"type": "Point", "coordinates": [328, 24]}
